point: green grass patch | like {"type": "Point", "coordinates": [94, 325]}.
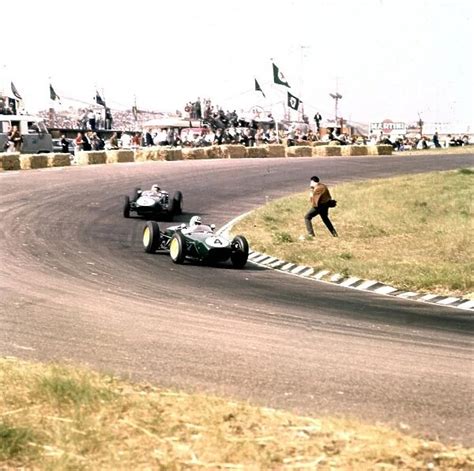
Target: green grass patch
{"type": "Point", "coordinates": [14, 442]}
{"type": "Point", "coordinates": [144, 427]}
{"type": "Point", "coordinates": [414, 232]}
{"type": "Point", "coordinates": [61, 389]}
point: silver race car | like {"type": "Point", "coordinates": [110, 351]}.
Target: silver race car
{"type": "Point", "coordinates": [153, 204]}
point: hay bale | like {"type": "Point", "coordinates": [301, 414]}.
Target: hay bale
{"type": "Point", "coordinates": [257, 152]}
{"type": "Point", "coordinates": [194, 153]}
{"type": "Point", "coordinates": [353, 150]}
{"type": "Point", "coordinates": [140, 155]}
{"type": "Point", "coordinates": [383, 149]}
{"type": "Point", "coordinates": [299, 151]}
{"type": "Point", "coordinates": [29, 161]}
{"type": "Point", "coordinates": [302, 143]}
{"type": "Point", "coordinates": [334, 143]}
{"type": "Point", "coordinates": [318, 143]}
{"type": "Point", "coordinates": [233, 151]}
{"type": "Point", "coordinates": [92, 157]}
{"type": "Point", "coordinates": [59, 160]}
{"type": "Point", "coordinates": [173, 154]}
{"type": "Point", "coordinates": [276, 150]}
{"type": "Point", "coordinates": [118, 156]}
{"type": "Point", "coordinates": [327, 151]}
{"type": "Point", "coordinates": [158, 152]}
{"type": "Point", "coordinates": [213, 152]}
{"type": "Point", "coordinates": [10, 161]}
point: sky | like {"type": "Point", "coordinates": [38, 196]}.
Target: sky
{"type": "Point", "coordinates": [389, 59]}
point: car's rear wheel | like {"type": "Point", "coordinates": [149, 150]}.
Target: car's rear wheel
{"type": "Point", "coordinates": [178, 203]}
{"type": "Point", "coordinates": [178, 248]}
{"type": "Point", "coordinates": [151, 237]}
{"type": "Point", "coordinates": [126, 207]}
{"type": "Point", "coordinates": [240, 251]}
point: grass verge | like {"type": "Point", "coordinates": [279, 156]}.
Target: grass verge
{"type": "Point", "coordinates": [439, 151]}
{"type": "Point", "coordinates": [413, 232]}
{"type": "Point", "coordinates": [60, 417]}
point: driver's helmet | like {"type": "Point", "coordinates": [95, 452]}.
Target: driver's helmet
{"type": "Point", "coordinates": [195, 221]}
{"type": "Point", "coordinates": [155, 188]}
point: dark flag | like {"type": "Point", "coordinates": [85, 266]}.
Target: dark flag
{"type": "Point", "coordinates": [293, 102]}
{"type": "Point", "coordinates": [278, 77]}
{"type": "Point", "coordinates": [99, 100]}
{"type": "Point", "coordinates": [258, 88]}
{"type": "Point", "coordinates": [52, 94]}
{"type": "Point", "coordinates": [135, 112]}
{"type": "Point", "coordinates": [16, 92]}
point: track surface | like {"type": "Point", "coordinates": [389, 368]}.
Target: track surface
{"type": "Point", "coordinates": [76, 284]}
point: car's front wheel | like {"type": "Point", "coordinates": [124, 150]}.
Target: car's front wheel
{"type": "Point", "coordinates": [240, 251]}
{"type": "Point", "coordinates": [178, 248]}
{"type": "Point", "coordinates": [151, 237]}
{"type": "Point", "coordinates": [126, 207]}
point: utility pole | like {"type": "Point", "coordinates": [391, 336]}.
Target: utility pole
{"type": "Point", "coordinates": [336, 96]}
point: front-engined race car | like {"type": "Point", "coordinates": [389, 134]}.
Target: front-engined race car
{"type": "Point", "coordinates": [195, 242]}
{"type": "Point", "coordinates": [153, 204]}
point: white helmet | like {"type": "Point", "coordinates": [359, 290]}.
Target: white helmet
{"type": "Point", "coordinates": [195, 221]}
{"type": "Point", "coordinates": [155, 187]}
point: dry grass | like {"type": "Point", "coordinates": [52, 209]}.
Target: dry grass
{"type": "Point", "coordinates": [413, 232]}
{"type": "Point", "coordinates": [449, 151]}
{"type": "Point", "coordinates": [60, 417]}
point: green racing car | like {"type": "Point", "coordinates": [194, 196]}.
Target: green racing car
{"type": "Point", "coordinates": [195, 241]}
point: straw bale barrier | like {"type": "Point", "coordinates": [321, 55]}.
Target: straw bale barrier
{"type": "Point", "coordinates": [318, 143]}
{"type": "Point", "coordinates": [383, 149]}
{"type": "Point", "coordinates": [233, 151]}
{"type": "Point", "coordinates": [302, 143]}
{"type": "Point", "coordinates": [10, 161]}
{"type": "Point", "coordinates": [276, 150]}
{"type": "Point", "coordinates": [334, 143]}
{"type": "Point", "coordinates": [327, 151]}
{"type": "Point", "coordinates": [118, 156]}
{"type": "Point", "coordinates": [143, 154]}
{"type": "Point", "coordinates": [59, 160]}
{"type": "Point", "coordinates": [91, 157]}
{"type": "Point", "coordinates": [353, 150]}
{"type": "Point", "coordinates": [30, 161]}
{"type": "Point", "coordinates": [299, 151]}
{"type": "Point", "coordinates": [257, 152]}
{"type": "Point", "coordinates": [171, 154]}
{"type": "Point", "coordinates": [213, 152]}
{"type": "Point", "coordinates": [194, 153]}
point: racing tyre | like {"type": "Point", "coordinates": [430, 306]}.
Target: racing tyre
{"type": "Point", "coordinates": [178, 248]}
{"type": "Point", "coordinates": [151, 237]}
{"type": "Point", "coordinates": [178, 203]}
{"type": "Point", "coordinates": [126, 207]}
{"type": "Point", "coordinates": [240, 251]}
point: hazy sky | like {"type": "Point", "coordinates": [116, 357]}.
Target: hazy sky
{"type": "Point", "coordinates": [388, 58]}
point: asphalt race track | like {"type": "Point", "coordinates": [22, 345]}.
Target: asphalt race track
{"type": "Point", "coordinates": [75, 284]}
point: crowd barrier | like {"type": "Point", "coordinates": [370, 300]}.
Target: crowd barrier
{"type": "Point", "coordinates": [14, 161]}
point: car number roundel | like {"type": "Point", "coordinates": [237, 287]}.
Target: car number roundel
{"type": "Point", "coordinates": [217, 242]}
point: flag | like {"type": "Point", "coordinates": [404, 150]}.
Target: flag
{"type": "Point", "coordinates": [293, 102]}
{"type": "Point", "coordinates": [99, 100]}
{"type": "Point", "coordinates": [52, 94]}
{"type": "Point", "coordinates": [16, 92]}
{"type": "Point", "coordinates": [135, 112]}
{"type": "Point", "coordinates": [278, 77]}
{"type": "Point", "coordinates": [258, 88]}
